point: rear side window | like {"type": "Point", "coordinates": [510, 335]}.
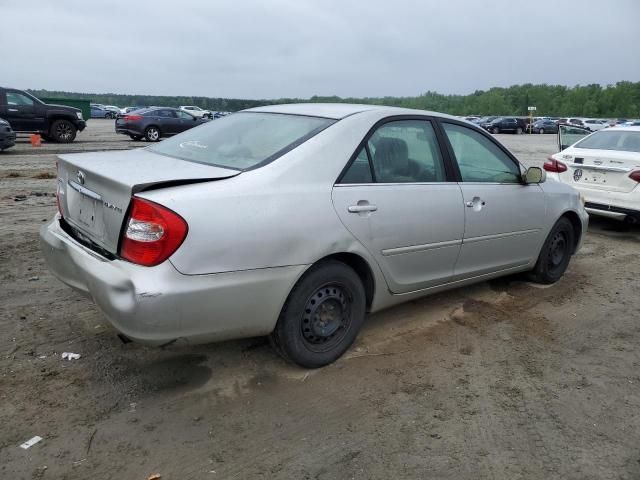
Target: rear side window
{"type": "Point", "coordinates": [360, 169]}
{"type": "Point", "coordinates": [243, 140]}
{"type": "Point", "coordinates": [478, 158]}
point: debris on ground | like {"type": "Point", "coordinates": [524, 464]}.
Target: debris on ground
{"type": "Point", "coordinates": [155, 476]}
{"type": "Point", "coordinates": [31, 442]}
{"type": "Point", "coordinates": [70, 356]}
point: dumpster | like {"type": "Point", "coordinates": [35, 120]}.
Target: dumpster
{"type": "Point", "coordinates": [79, 103]}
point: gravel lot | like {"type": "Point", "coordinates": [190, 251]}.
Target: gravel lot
{"type": "Point", "coordinates": [503, 380]}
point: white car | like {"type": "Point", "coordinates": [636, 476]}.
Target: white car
{"type": "Point", "coordinates": [603, 166]}
{"type": "Point", "coordinates": [196, 111]}
{"type": "Point", "coordinates": [594, 125]}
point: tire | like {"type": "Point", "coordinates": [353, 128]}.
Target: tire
{"type": "Point", "coordinates": [555, 254]}
{"type": "Point", "coordinates": [496, 130]}
{"type": "Point", "coordinates": [63, 131]}
{"type": "Point", "coordinates": [518, 131]}
{"type": "Point", "coordinates": [541, 131]}
{"type": "Point", "coordinates": [152, 134]}
{"type": "Point", "coordinates": [321, 317]}
{"type": "Point", "coordinates": [136, 138]}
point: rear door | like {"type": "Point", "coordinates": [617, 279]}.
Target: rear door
{"type": "Point", "coordinates": [503, 216]}
{"type": "Point", "coordinates": [398, 199]}
{"type": "Point", "coordinates": [167, 121]}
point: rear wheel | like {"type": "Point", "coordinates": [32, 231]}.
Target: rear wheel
{"type": "Point", "coordinates": [518, 131]}
{"type": "Point", "coordinates": [541, 131]}
{"type": "Point", "coordinates": [321, 317]}
{"type": "Point", "coordinates": [152, 134]}
{"type": "Point", "coordinates": [63, 131]}
{"type": "Point", "coordinates": [496, 130]}
{"type": "Point", "coordinates": [555, 254]}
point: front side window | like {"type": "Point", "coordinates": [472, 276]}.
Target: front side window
{"type": "Point", "coordinates": [478, 158]}
{"type": "Point", "coordinates": [184, 115]}
{"type": "Point", "coordinates": [19, 99]}
{"type": "Point", "coordinates": [406, 151]}
{"type": "Point", "coordinates": [243, 140]}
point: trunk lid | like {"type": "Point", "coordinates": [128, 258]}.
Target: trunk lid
{"type": "Point", "coordinates": [602, 169]}
{"type": "Point", "coordinates": [95, 189]}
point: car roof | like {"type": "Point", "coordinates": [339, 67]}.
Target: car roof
{"type": "Point", "coordinates": [338, 111]}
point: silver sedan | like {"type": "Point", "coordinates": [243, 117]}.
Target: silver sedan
{"type": "Point", "coordinates": [294, 221]}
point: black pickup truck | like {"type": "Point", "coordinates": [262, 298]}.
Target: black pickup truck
{"type": "Point", "coordinates": [26, 114]}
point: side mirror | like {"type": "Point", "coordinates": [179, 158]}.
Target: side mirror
{"type": "Point", "coordinates": [534, 175]}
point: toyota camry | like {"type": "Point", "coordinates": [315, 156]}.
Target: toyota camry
{"type": "Point", "coordinates": [295, 221]}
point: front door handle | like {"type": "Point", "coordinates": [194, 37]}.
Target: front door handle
{"type": "Point", "coordinates": [362, 208]}
{"type": "Point", "coordinates": [12, 109]}
{"type": "Point", "coordinates": [477, 203]}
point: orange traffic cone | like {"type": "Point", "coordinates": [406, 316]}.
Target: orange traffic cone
{"type": "Point", "coordinates": [36, 140]}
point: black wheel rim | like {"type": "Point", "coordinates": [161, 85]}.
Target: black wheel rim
{"type": "Point", "coordinates": [326, 317]}
{"type": "Point", "coordinates": [64, 131]}
{"type": "Point", "coordinates": [558, 249]}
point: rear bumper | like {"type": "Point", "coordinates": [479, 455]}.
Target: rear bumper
{"type": "Point", "coordinates": [158, 305]}
{"type": "Point", "coordinates": [612, 210]}
{"type": "Point", "coordinates": [128, 131]}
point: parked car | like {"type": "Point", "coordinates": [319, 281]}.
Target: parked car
{"type": "Point", "coordinates": [484, 121]}
{"type": "Point", "coordinates": [27, 114]}
{"type": "Point", "coordinates": [594, 124]}
{"type": "Point", "coordinates": [130, 109]}
{"type": "Point", "coordinates": [101, 112]}
{"type": "Point", "coordinates": [7, 135]}
{"type": "Point", "coordinates": [293, 221]}
{"type": "Point", "coordinates": [196, 111]}
{"type": "Point", "coordinates": [155, 123]}
{"type": "Point", "coordinates": [506, 124]}
{"type": "Point", "coordinates": [112, 108]}
{"type": "Point", "coordinates": [603, 166]}
{"type": "Point", "coordinates": [544, 126]}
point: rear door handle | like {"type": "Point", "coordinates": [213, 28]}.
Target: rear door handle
{"type": "Point", "coordinates": [362, 208]}
{"type": "Point", "coordinates": [477, 202]}
{"type": "Point", "coordinates": [12, 109]}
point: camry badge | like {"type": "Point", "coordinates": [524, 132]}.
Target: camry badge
{"type": "Point", "coordinates": [577, 174]}
{"type": "Point", "coordinates": [81, 177]}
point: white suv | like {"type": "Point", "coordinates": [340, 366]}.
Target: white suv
{"type": "Point", "coordinates": [196, 111]}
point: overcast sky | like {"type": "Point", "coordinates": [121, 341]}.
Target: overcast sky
{"type": "Point", "coordinates": [300, 48]}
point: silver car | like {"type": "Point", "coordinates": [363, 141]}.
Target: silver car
{"type": "Point", "coordinates": [294, 221]}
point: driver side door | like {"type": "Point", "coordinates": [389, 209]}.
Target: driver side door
{"type": "Point", "coordinates": [503, 216]}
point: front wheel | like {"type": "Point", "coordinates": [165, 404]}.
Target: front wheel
{"type": "Point", "coordinates": [518, 131]}
{"type": "Point", "coordinates": [152, 134]}
{"type": "Point", "coordinates": [63, 131]}
{"type": "Point", "coordinates": [555, 254]}
{"type": "Point", "coordinates": [321, 317]}
{"type": "Point", "coordinates": [541, 131]}
{"type": "Point", "coordinates": [496, 130]}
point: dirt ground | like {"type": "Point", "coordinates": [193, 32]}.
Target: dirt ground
{"type": "Point", "coordinates": [502, 380]}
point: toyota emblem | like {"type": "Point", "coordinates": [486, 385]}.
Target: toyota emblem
{"type": "Point", "coordinates": [81, 177]}
{"type": "Point", "coordinates": [577, 175]}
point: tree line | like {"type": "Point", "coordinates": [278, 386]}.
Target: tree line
{"type": "Point", "coordinates": [621, 100]}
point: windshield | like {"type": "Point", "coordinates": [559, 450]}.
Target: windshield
{"type": "Point", "coordinates": [612, 140]}
{"type": "Point", "coordinates": [243, 140]}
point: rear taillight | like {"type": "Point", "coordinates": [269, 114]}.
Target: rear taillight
{"type": "Point", "coordinates": [152, 233]}
{"type": "Point", "coordinates": [553, 165]}
{"type": "Point", "coordinates": [635, 175]}
{"type": "Point", "coordinates": [132, 117]}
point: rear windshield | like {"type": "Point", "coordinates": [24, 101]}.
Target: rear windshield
{"type": "Point", "coordinates": [612, 140]}
{"type": "Point", "coordinates": [243, 140]}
